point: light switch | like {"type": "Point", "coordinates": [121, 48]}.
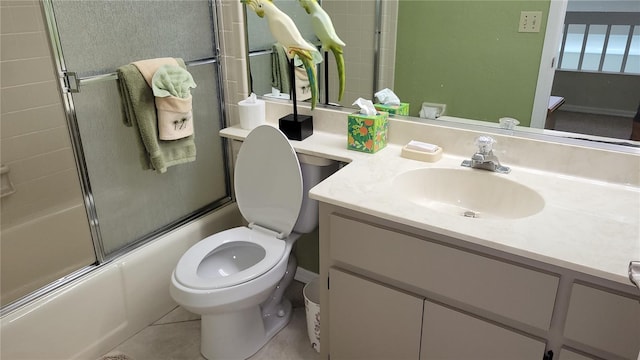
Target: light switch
{"type": "Point", "coordinates": [530, 21]}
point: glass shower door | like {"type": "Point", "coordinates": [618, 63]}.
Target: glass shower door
{"type": "Point", "coordinates": [44, 233]}
{"type": "Point", "coordinates": [130, 204]}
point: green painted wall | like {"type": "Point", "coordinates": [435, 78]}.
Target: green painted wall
{"type": "Point", "coordinates": [470, 56]}
{"type": "Point", "coordinates": [307, 251]}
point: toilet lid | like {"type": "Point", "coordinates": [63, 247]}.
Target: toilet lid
{"type": "Point", "coordinates": [268, 180]}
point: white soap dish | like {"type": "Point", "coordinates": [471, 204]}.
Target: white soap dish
{"type": "Point", "coordinates": [421, 155]}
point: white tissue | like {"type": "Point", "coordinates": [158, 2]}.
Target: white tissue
{"type": "Point", "coordinates": [387, 97]}
{"type": "Point", "coordinates": [422, 146]}
{"type": "Point", "coordinates": [366, 106]}
{"type": "Point", "coordinates": [252, 112]}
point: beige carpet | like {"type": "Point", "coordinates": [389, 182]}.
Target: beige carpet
{"type": "Point", "coordinates": [592, 124]}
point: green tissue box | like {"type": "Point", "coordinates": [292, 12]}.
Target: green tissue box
{"type": "Point", "coordinates": [402, 109]}
{"type": "Point", "coordinates": [367, 133]}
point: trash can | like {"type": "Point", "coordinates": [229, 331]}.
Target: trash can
{"type": "Point", "coordinates": [311, 294]}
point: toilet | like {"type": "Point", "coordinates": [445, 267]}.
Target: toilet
{"type": "Point", "coordinates": [235, 279]}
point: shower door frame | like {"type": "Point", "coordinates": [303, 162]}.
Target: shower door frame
{"type": "Point", "coordinates": [69, 84]}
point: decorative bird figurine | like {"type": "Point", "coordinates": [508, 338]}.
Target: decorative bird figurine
{"type": "Point", "coordinates": [323, 27]}
{"type": "Point", "coordinates": [286, 33]}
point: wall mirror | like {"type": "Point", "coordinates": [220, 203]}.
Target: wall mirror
{"type": "Point", "coordinates": [471, 56]}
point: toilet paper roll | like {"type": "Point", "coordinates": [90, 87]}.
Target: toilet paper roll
{"type": "Point", "coordinates": [252, 113]}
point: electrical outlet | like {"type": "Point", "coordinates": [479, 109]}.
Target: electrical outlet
{"type": "Point", "coordinates": [530, 21]}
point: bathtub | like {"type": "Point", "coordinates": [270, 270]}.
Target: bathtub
{"type": "Point", "coordinates": [91, 315]}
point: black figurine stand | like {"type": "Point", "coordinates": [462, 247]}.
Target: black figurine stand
{"type": "Point", "coordinates": [295, 126]}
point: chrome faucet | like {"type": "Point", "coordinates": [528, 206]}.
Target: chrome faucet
{"type": "Point", "coordinates": [484, 157]}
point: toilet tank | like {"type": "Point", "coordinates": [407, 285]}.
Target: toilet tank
{"type": "Point", "coordinates": [314, 170]}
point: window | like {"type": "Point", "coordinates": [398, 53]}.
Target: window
{"type": "Point", "coordinates": [601, 42]}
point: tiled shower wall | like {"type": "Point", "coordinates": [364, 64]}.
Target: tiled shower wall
{"type": "Point", "coordinates": [355, 22]}
{"type": "Point", "coordinates": [234, 59]}
{"type": "Point", "coordinates": [37, 150]}
{"type": "Point", "coordinates": [388, 44]}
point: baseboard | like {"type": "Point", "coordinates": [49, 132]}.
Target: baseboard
{"type": "Point", "coordinates": [598, 111]}
{"type": "Point", "coordinates": [304, 275]}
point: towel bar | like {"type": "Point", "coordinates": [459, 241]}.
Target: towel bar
{"type": "Point", "coordinates": [113, 76]}
{"type": "Point", "coordinates": [260, 52]}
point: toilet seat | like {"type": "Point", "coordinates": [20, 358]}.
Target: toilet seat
{"type": "Point", "coordinates": [188, 271]}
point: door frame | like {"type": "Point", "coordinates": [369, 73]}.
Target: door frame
{"type": "Point", "coordinates": [548, 62]}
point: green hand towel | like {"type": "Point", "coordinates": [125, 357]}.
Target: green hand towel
{"type": "Point", "coordinates": [280, 69]}
{"type": "Point", "coordinates": [139, 112]}
{"type": "Point", "coordinates": [172, 80]}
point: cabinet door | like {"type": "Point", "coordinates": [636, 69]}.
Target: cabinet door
{"type": "Point", "coordinates": [449, 334]}
{"type": "Point", "coordinates": [604, 321]}
{"type": "Point", "coordinates": [370, 321]}
{"type": "Point", "coordinates": [570, 355]}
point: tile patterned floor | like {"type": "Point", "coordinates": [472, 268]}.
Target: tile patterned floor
{"type": "Point", "coordinates": [177, 336]}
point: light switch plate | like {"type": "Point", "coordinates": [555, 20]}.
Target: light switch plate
{"type": "Point", "coordinates": [530, 21]}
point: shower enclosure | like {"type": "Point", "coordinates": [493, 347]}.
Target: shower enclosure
{"type": "Point", "coordinates": [107, 204]}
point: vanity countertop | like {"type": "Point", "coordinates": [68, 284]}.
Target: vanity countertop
{"type": "Point", "coordinates": [587, 225]}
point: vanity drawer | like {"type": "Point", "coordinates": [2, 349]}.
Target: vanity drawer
{"type": "Point", "coordinates": [505, 289]}
{"type": "Point", "coordinates": [604, 320]}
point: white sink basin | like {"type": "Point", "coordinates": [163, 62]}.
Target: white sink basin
{"type": "Point", "coordinates": [469, 192]}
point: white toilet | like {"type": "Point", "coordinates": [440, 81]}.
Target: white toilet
{"type": "Point", "coordinates": [235, 279]}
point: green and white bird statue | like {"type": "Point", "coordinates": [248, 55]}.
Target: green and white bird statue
{"type": "Point", "coordinates": [324, 30]}
{"type": "Point", "coordinates": [286, 33]}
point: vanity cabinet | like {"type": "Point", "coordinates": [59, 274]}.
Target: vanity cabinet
{"type": "Point", "coordinates": [395, 292]}
{"type": "Point", "coordinates": [396, 296]}
{"type": "Point", "coordinates": [373, 321]}
{"type": "Point", "coordinates": [492, 286]}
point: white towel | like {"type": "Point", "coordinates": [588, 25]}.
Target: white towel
{"type": "Point", "coordinates": [175, 116]}
{"type": "Point", "coordinates": [171, 87]}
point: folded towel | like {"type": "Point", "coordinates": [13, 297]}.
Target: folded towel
{"type": "Point", "coordinates": [171, 86]}
{"type": "Point", "coordinates": [149, 67]}
{"type": "Point", "coordinates": [139, 112]}
{"type": "Point", "coordinates": [175, 119]}
{"type": "Point", "coordinates": [280, 69]}
{"type": "Point", "coordinates": [172, 80]}
{"type": "Point", "coordinates": [280, 78]}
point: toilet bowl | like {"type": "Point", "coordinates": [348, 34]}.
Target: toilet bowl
{"type": "Point", "coordinates": [235, 279]}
